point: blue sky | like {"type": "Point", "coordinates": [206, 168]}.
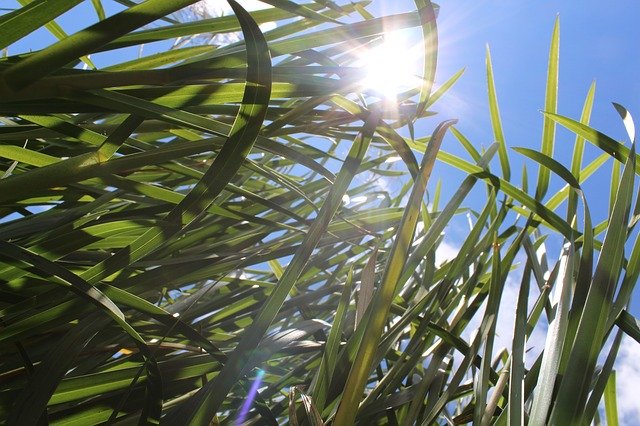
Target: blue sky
{"type": "Point", "coordinates": [598, 42]}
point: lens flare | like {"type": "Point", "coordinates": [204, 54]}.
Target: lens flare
{"type": "Point", "coordinates": [251, 396]}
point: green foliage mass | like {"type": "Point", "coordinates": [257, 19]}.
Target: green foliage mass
{"type": "Point", "coordinates": [177, 246]}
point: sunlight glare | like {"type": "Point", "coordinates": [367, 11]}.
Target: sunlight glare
{"type": "Point", "coordinates": [392, 66]}
{"type": "Point", "coordinates": [251, 396]}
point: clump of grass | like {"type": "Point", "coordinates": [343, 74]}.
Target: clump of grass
{"type": "Point", "coordinates": [176, 241]}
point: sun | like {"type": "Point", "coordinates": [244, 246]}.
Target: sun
{"type": "Point", "coordinates": [392, 66]}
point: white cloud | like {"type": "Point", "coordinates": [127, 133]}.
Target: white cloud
{"type": "Point", "coordinates": [627, 365]}
{"type": "Point", "coordinates": [627, 379]}
{"type": "Point", "coordinates": [445, 252]}
{"type": "Point", "coordinates": [506, 320]}
{"type": "Point", "coordinates": [267, 26]}
{"type": "Point", "coordinates": [213, 8]}
{"type": "Point", "coordinates": [221, 7]}
{"type": "Point", "coordinates": [507, 317]}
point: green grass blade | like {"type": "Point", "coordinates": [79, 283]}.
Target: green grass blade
{"type": "Point", "coordinates": [496, 122]}
{"type": "Point", "coordinates": [226, 164]}
{"type": "Point", "coordinates": [468, 146]}
{"type": "Point", "coordinates": [34, 398]}
{"type": "Point", "coordinates": [550, 105]}
{"type": "Point", "coordinates": [444, 88]}
{"type": "Point", "coordinates": [329, 356]}
{"type": "Point", "coordinates": [605, 385]}
{"type": "Point", "coordinates": [222, 24]}
{"type": "Point", "coordinates": [557, 199]}
{"type": "Point", "coordinates": [29, 414]}
{"type": "Point", "coordinates": [610, 146]}
{"type": "Point", "coordinates": [348, 408]}
{"type": "Point", "coordinates": [97, 5]}
{"type": "Point", "coordinates": [551, 165]}
{"type": "Point", "coordinates": [591, 330]}
{"type": "Point", "coordinates": [481, 382]}
{"type": "Point", "coordinates": [610, 401]}
{"type": "Point", "coordinates": [556, 336]}
{"type": "Point", "coordinates": [430, 42]}
{"type": "Point", "coordinates": [585, 117]}
{"type": "Point", "coordinates": [397, 142]}
{"type": "Point", "coordinates": [615, 183]}
{"type": "Point", "coordinates": [60, 34]}
{"type": "Point", "coordinates": [516, 409]}
{"type": "Point", "coordinates": [56, 56]}
{"type": "Point", "coordinates": [629, 324]}
{"type": "Point", "coordinates": [529, 202]}
{"type": "Point", "coordinates": [578, 148]}
{"type": "Point", "coordinates": [204, 405]}
{"type": "Point", "coordinates": [20, 22]}
{"type": "Point", "coordinates": [367, 286]}
{"type": "Point", "coordinates": [629, 281]}
{"type": "Point", "coordinates": [627, 120]}
{"type": "Point", "coordinates": [299, 9]}
{"type": "Point", "coordinates": [68, 171]}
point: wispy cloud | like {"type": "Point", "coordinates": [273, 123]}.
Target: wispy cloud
{"type": "Point", "coordinates": [446, 252]}
{"type": "Point", "coordinates": [506, 321]}
{"type": "Point", "coordinates": [627, 380]}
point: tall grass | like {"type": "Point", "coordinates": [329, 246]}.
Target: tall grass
{"type": "Point", "coordinates": [178, 245]}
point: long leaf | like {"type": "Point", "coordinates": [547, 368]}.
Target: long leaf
{"type": "Point", "coordinates": [359, 373]}
{"type": "Point", "coordinates": [550, 105]}
{"type": "Point", "coordinates": [203, 406]}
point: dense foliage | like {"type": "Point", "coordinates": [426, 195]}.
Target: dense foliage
{"type": "Point", "coordinates": [200, 234]}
